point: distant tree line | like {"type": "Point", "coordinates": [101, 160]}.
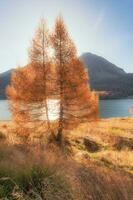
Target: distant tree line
{"type": "Point", "coordinates": [115, 88]}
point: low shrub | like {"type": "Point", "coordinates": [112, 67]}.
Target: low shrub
{"type": "Point", "coordinates": [33, 183]}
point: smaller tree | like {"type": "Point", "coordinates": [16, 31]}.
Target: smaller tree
{"type": "Point", "coordinates": [39, 58]}
{"type": "Point", "coordinates": [28, 90]}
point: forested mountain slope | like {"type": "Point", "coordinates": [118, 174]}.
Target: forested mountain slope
{"type": "Point", "coordinates": [105, 76]}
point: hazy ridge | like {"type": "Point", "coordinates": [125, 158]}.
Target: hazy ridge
{"type": "Point", "coordinates": [104, 76]}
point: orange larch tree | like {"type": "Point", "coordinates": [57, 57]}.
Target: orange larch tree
{"type": "Point", "coordinates": [28, 90]}
{"type": "Point", "coordinates": [75, 97]}
{"type": "Point", "coordinates": [39, 58]}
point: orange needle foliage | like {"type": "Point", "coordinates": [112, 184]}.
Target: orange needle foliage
{"type": "Point", "coordinates": [76, 104]}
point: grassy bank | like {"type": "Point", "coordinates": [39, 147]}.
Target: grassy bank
{"type": "Point", "coordinates": [95, 163]}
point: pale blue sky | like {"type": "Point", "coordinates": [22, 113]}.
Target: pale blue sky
{"type": "Point", "coordinates": [104, 27]}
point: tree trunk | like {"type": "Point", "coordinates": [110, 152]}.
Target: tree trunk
{"type": "Point", "coordinates": [45, 89]}
{"type": "Point", "coordinates": [60, 128]}
{"type": "Point", "coordinates": [59, 137]}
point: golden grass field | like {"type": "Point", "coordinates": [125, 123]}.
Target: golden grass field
{"type": "Point", "coordinates": [95, 163]}
{"type": "Point", "coordinates": [113, 139]}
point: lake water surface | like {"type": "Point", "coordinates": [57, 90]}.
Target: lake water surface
{"type": "Point", "coordinates": [108, 108]}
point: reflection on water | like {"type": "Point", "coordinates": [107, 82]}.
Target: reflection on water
{"type": "Point", "coordinates": [53, 109]}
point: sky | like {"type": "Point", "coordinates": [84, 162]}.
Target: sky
{"type": "Point", "coordinates": [103, 27]}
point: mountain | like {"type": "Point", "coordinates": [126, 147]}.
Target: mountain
{"type": "Point", "coordinates": [99, 68]}
{"type": "Point", "coordinates": [105, 77]}
{"type": "Point", "coordinates": [4, 81]}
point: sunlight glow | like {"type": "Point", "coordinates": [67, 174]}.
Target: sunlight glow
{"type": "Point", "coordinates": [53, 110]}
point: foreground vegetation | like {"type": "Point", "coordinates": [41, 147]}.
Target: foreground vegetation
{"type": "Point", "coordinates": [94, 163]}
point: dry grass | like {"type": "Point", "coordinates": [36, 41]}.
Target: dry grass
{"type": "Point", "coordinates": [114, 136]}
{"type": "Point", "coordinates": [43, 171]}
{"type": "Point", "coordinates": [47, 173]}
{"type": "Point", "coordinates": [34, 173]}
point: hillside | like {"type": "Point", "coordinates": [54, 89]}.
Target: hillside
{"type": "Point", "coordinates": [105, 76]}
{"type": "Point", "coordinates": [99, 68]}
{"type": "Point", "coordinates": [4, 81]}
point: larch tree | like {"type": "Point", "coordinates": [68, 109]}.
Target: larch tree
{"type": "Point", "coordinates": [28, 90]}
{"type": "Point", "coordinates": [75, 97]}
{"type": "Point", "coordinates": [39, 58]}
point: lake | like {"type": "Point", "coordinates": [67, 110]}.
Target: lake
{"type": "Point", "coordinates": [116, 108]}
{"type": "Point", "coordinates": [108, 108]}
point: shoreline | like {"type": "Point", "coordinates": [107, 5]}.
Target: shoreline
{"type": "Point", "coordinates": [110, 118]}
